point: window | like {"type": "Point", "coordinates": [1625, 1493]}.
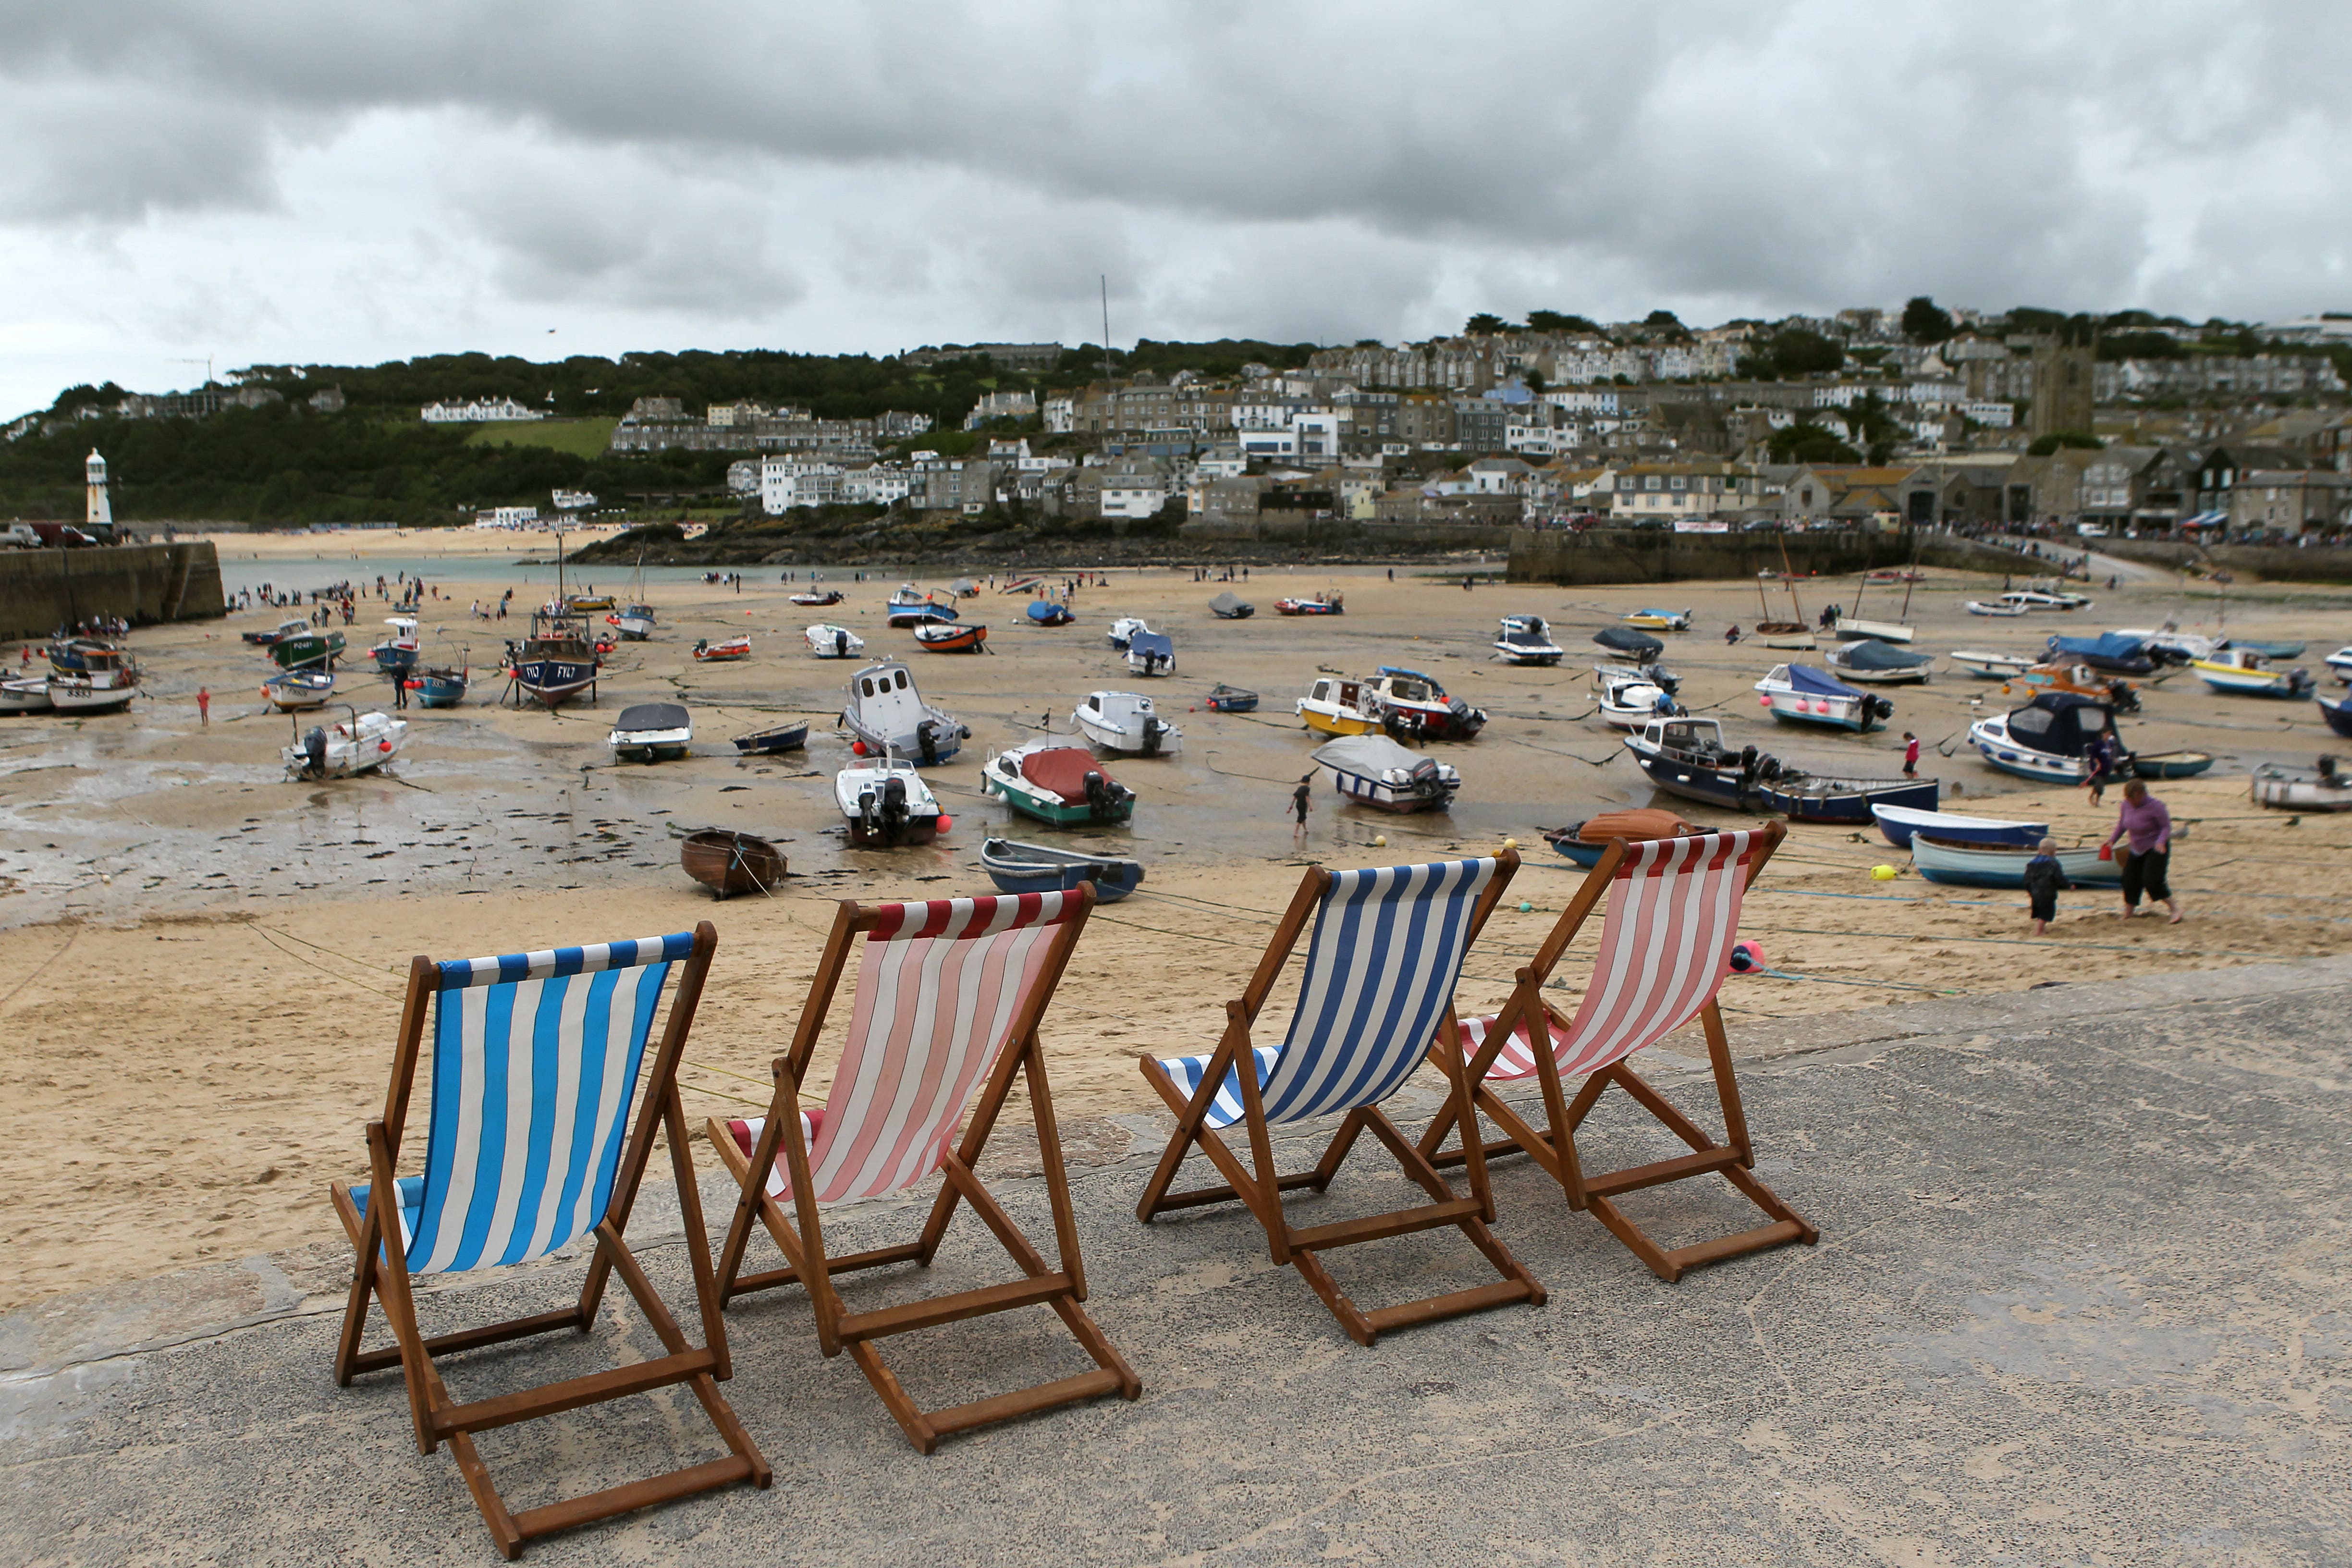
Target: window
{"type": "Point", "coordinates": [868, 687]}
{"type": "Point", "coordinates": [1679, 483]}
{"type": "Point", "coordinates": [902, 680]}
{"type": "Point", "coordinates": [1649, 481]}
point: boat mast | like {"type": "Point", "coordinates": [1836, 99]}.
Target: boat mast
{"type": "Point", "coordinates": [1788, 576]}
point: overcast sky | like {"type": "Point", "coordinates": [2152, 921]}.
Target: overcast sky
{"type": "Point", "coordinates": [317, 184]}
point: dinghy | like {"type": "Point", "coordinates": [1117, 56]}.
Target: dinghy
{"type": "Point", "coordinates": [1964, 865]}
{"type": "Point", "coordinates": [1322, 605]}
{"type": "Point", "coordinates": [1223, 699]}
{"type": "Point", "coordinates": [828, 641]}
{"type": "Point", "coordinates": [1056, 781]}
{"type": "Point", "coordinates": [902, 616]}
{"type": "Point", "coordinates": [1990, 665]}
{"type": "Point", "coordinates": [728, 863]}
{"type": "Point", "coordinates": [1125, 721]}
{"type": "Point", "coordinates": [1898, 822]}
{"type": "Point", "coordinates": [1017, 867]}
{"type": "Point", "coordinates": [1878, 663]}
{"type": "Point", "coordinates": [299, 689]}
{"type": "Point", "coordinates": [732, 649]}
{"type": "Point", "coordinates": [944, 637]}
{"type": "Point", "coordinates": [775, 738]}
{"type": "Point", "coordinates": [1374, 771]}
{"type": "Point", "coordinates": [1849, 628]}
{"type": "Point", "coordinates": [2292, 789]}
{"type": "Point", "coordinates": [361, 744]}
{"type": "Point", "coordinates": [1585, 842]}
{"type": "Point", "coordinates": [2006, 605]}
{"type": "Point", "coordinates": [652, 732]}
{"type": "Point", "coordinates": [815, 598]}
{"type": "Point", "coordinates": [1526, 640]}
{"type": "Point", "coordinates": [1232, 606]}
{"type": "Point", "coordinates": [2171, 764]}
{"type": "Point", "coordinates": [889, 716]}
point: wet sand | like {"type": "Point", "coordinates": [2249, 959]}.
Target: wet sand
{"type": "Point", "coordinates": [200, 962]}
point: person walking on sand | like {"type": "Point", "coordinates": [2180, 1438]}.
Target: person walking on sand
{"type": "Point", "coordinates": [1300, 798]}
{"type": "Point", "coordinates": [203, 705]}
{"type": "Point", "coordinates": [2147, 827]}
{"type": "Point", "coordinates": [2102, 759]}
{"type": "Point", "coordinates": [2044, 879]}
{"type": "Point", "coordinates": [1731, 634]}
{"type": "Point", "coordinates": [1910, 755]}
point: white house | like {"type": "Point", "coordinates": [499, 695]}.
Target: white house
{"type": "Point", "coordinates": [883, 484]}
{"type": "Point", "coordinates": [482, 411]}
{"type": "Point", "coordinates": [1061, 414]}
{"type": "Point", "coordinates": [788, 482]}
{"type": "Point", "coordinates": [508, 517]}
{"type": "Point", "coordinates": [573, 501]}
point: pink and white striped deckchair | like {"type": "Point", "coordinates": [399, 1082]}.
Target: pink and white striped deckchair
{"type": "Point", "coordinates": [1665, 947]}
{"type": "Point", "coordinates": [950, 993]}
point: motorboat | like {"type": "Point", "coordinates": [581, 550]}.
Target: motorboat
{"type": "Point", "coordinates": [1957, 863]}
{"type": "Point", "coordinates": [1878, 663]}
{"type": "Point", "coordinates": [1122, 630]}
{"type": "Point", "coordinates": [2079, 678]}
{"type": "Point", "coordinates": [1685, 756]}
{"type": "Point", "coordinates": [963, 588]}
{"type": "Point", "coordinates": [1152, 653]}
{"type": "Point", "coordinates": [1223, 699]}
{"type": "Point", "coordinates": [828, 641]}
{"type": "Point", "coordinates": [1017, 867]}
{"type": "Point", "coordinates": [817, 598]}
{"type": "Point", "coordinates": [2170, 645]}
{"type": "Point", "coordinates": [2238, 672]}
{"type": "Point", "coordinates": [1850, 629]}
{"type": "Point", "coordinates": [1374, 771]}
{"type": "Point", "coordinates": [902, 616]}
{"type": "Point", "coordinates": [93, 691]}
{"type": "Point", "coordinates": [1898, 822]}
{"type": "Point", "coordinates": [2049, 738]}
{"type": "Point", "coordinates": [1658, 620]}
{"type": "Point", "coordinates": [1125, 721]}
{"type": "Point", "coordinates": [2340, 661]}
{"type": "Point", "coordinates": [2337, 714]}
{"type": "Point", "coordinates": [1629, 699]}
{"type": "Point", "coordinates": [28, 694]}
{"type": "Point", "coordinates": [887, 715]}
{"type": "Point", "coordinates": [1413, 706]}
{"type": "Point", "coordinates": [1232, 606]}
{"type": "Point", "coordinates": [586, 604]}
{"type": "Point", "coordinates": [775, 738]}
{"type": "Point", "coordinates": [1639, 646]}
{"type": "Point", "coordinates": [1990, 665]}
{"type": "Point", "coordinates": [2270, 649]}
{"type": "Point", "coordinates": [305, 648]}
{"type": "Point", "coordinates": [1023, 583]}
{"type": "Point", "coordinates": [1055, 781]}
{"type": "Point", "coordinates": [359, 745]}
{"type": "Point", "coordinates": [728, 863]}
{"type": "Point", "coordinates": [396, 654]}
{"type": "Point", "coordinates": [1046, 613]}
{"type": "Point", "coordinates": [2118, 653]}
{"type": "Point", "coordinates": [556, 662]}
{"type": "Point", "coordinates": [2006, 604]}
{"type": "Point", "coordinates": [2324, 788]}
{"type": "Point", "coordinates": [1800, 694]}
{"type": "Point", "coordinates": [906, 594]}
{"type": "Point", "coordinates": [1320, 605]}
{"type": "Point", "coordinates": [2175, 764]}
{"type": "Point", "coordinates": [296, 688]}
{"type": "Point", "coordinates": [78, 656]}
{"type": "Point", "coordinates": [293, 626]}
{"type": "Point", "coordinates": [441, 685]}
{"type": "Point", "coordinates": [2037, 597]}
{"type": "Point", "coordinates": [634, 622]}
{"type": "Point", "coordinates": [885, 803]}
{"type": "Point", "coordinates": [726, 650]}
{"type": "Point", "coordinates": [947, 636]}
{"type": "Point", "coordinates": [1657, 675]}
{"type": "Point", "coordinates": [1585, 842]}
{"type": "Point", "coordinates": [1526, 640]}
{"type": "Point", "coordinates": [1335, 705]}
{"type": "Point", "coordinates": [652, 732]}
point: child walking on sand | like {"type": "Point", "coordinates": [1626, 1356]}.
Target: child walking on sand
{"type": "Point", "coordinates": [2045, 878]}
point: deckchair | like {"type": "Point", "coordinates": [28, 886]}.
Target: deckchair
{"type": "Point", "coordinates": [950, 993]}
{"type": "Point", "coordinates": [1665, 947]}
{"type": "Point", "coordinates": [1378, 981]}
{"type": "Point", "coordinates": [537, 1060]}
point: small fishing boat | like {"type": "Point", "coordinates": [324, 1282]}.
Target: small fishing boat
{"type": "Point", "coordinates": [2115, 652]}
{"type": "Point", "coordinates": [1125, 721]}
{"type": "Point", "coordinates": [1026, 582]}
{"type": "Point", "coordinates": [1046, 613]}
{"type": "Point", "coordinates": [817, 598]}
{"type": "Point", "coordinates": [964, 588]}
{"type": "Point", "coordinates": [1894, 575]}
{"type": "Point", "coordinates": [1990, 665]}
{"type": "Point", "coordinates": [1525, 640]}
{"type": "Point", "coordinates": [1413, 706]}
{"type": "Point", "coordinates": [1223, 699]}
{"type": "Point", "coordinates": [586, 604]}
{"type": "Point", "coordinates": [2170, 645]}
{"type": "Point", "coordinates": [2173, 764]}
{"type": "Point", "coordinates": [440, 685]}
{"type": "Point", "coordinates": [1800, 694]}
{"type": "Point", "coordinates": [307, 647]}
{"type": "Point", "coordinates": [1687, 757]}
{"type": "Point", "coordinates": [1898, 822]}
{"type": "Point", "coordinates": [1657, 675]}
{"type": "Point", "coordinates": [1585, 842]}
{"type": "Point", "coordinates": [1123, 631]}
{"type": "Point", "coordinates": [652, 732]}
{"type": "Point", "coordinates": [634, 622]}
{"type": "Point", "coordinates": [1639, 646]}
{"type": "Point", "coordinates": [885, 803]}
{"type": "Point", "coordinates": [296, 688]}
{"type": "Point", "coordinates": [1320, 605]}
{"type": "Point", "coordinates": [1965, 865]}
{"type": "Point", "coordinates": [902, 616]}
{"type": "Point", "coordinates": [94, 692]}
{"type": "Point", "coordinates": [2006, 604]}
{"type": "Point", "coordinates": [1850, 629]}
{"type": "Point", "coordinates": [1658, 620]}
{"type": "Point", "coordinates": [1017, 867]}
{"type": "Point", "coordinates": [2044, 593]}
{"type": "Point", "coordinates": [1787, 637]}
{"type": "Point", "coordinates": [2340, 661]}
{"type": "Point", "coordinates": [2238, 672]}
{"type": "Point", "coordinates": [1055, 781]}
{"type": "Point", "coordinates": [887, 715]}
{"type": "Point", "coordinates": [29, 694]}
{"type": "Point", "coordinates": [293, 627]}
{"type": "Point", "coordinates": [1337, 707]}
{"type": "Point", "coordinates": [2324, 788]}
{"type": "Point", "coordinates": [2269, 649]}
{"type": "Point", "coordinates": [906, 594]}
{"type": "Point", "coordinates": [361, 744]}
{"type": "Point", "coordinates": [1629, 699]}
{"type": "Point", "coordinates": [775, 738]}
{"type": "Point", "coordinates": [1152, 653]}
{"type": "Point", "coordinates": [728, 863]}
{"type": "Point", "coordinates": [1232, 606]}
{"type": "Point", "coordinates": [1374, 771]}
{"type": "Point", "coordinates": [396, 654]}
{"type": "Point", "coordinates": [947, 636]}
{"type": "Point", "coordinates": [87, 655]}
{"type": "Point", "coordinates": [2079, 678]}
{"type": "Point", "coordinates": [555, 663]}
{"type": "Point", "coordinates": [828, 641]}
{"type": "Point", "coordinates": [2049, 738]}
{"type": "Point", "coordinates": [1878, 663]}
{"type": "Point", "coordinates": [724, 651]}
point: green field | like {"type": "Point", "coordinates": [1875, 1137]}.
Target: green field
{"type": "Point", "coordinates": [581, 437]}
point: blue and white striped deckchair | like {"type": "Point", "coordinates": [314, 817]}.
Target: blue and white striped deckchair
{"type": "Point", "coordinates": [1382, 965]}
{"type": "Point", "coordinates": [539, 1125]}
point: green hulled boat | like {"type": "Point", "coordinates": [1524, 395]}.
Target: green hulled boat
{"type": "Point", "coordinates": [305, 649]}
{"type": "Point", "coordinates": [1055, 781]}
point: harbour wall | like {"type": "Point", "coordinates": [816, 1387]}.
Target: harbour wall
{"type": "Point", "coordinates": [2271, 563]}
{"type": "Point", "coordinates": [41, 590]}
{"type": "Point", "coordinates": [1656, 555]}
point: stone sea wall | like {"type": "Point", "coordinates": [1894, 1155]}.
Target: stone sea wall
{"type": "Point", "coordinates": [41, 590]}
{"type": "Point", "coordinates": [1655, 555]}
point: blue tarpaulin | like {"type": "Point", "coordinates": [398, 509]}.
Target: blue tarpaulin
{"type": "Point", "coordinates": [2106, 645]}
{"type": "Point", "coordinates": [1805, 677]}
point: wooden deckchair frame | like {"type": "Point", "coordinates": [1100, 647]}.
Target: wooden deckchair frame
{"type": "Point", "coordinates": [1554, 1147]}
{"type": "Point", "coordinates": [1261, 1190]}
{"type": "Point", "coordinates": [380, 1273]}
{"type": "Point", "coordinates": [801, 1235]}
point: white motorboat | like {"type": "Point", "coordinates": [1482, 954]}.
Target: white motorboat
{"type": "Point", "coordinates": [1846, 629]}
{"type": "Point", "coordinates": [652, 732]}
{"type": "Point", "coordinates": [828, 641]}
{"type": "Point", "coordinates": [885, 803]}
{"type": "Point", "coordinates": [2034, 597]}
{"type": "Point", "coordinates": [2049, 739]}
{"type": "Point", "coordinates": [1374, 771]}
{"type": "Point", "coordinates": [905, 595]}
{"type": "Point", "coordinates": [93, 691]}
{"type": "Point", "coordinates": [2241, 672]}
{"type": "Point", "coordinates": [1629, 698]}
{"type": "Point", "coordinates": [1413, 705]}
{"type": "Point", "coordinates": [2006, 604]}
{"type": "Point", "coordinates": [2170, 645]}
{"type": "Point", "coordinates": [1877, 663]}
{"type": "Point", "coordinates": [1800, 694]}
{"type": "Point", "coordinates": [2292, 789]}
{"type": "Point", "coordinates": [299, 689]}
{"type": "Point", "coordinates": [1991, 665]}
{"type": "Point", "coordinates": [1150, 653]}
{"type": "Point", "coordinates": [359, 745]}
{"type": "Point", "coordinates": [1526, 640]}
{"type": "Point", "coordinates": [2340, 661]}
{"type": "Point", "coordinates": [29, 695]}
{"type": "Point", "coordinates": [1125, 721]}
{"type": "Point", "coordinates": [634, 622]}
{"type": "Point", "coordinates": [889, 718]}
{"type": "Point", "coordinates": [1124, 628]}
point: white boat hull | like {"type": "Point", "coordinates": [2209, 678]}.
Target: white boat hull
{"type": "Point", "coordinates": [1883, 631]}
{"type": "Point", "coordinates": [1991, 737]}
{"type": "Point", "coordinates": [1111, 737]}
{"type": "Point", "coordinates": [350, 749]}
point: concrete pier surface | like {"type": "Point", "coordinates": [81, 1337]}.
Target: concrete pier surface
{"type": "Point", "coordinates": [2081, 1297]}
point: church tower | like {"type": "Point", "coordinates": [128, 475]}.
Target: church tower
{"type": "Point", "coordinates": [101, 510]}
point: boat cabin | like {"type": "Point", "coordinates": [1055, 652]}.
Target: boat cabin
{"type": "Point", "coordinates": [1335, 693]}
{"type": "Point", "coordinates": [1697, 739]}
{"type": "Point", "coordinates": [2063, 724]}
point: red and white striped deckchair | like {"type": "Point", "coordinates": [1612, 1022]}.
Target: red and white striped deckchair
{"type": "Point", "coordinates": [1665, 947]}
{"type": "Point", "coordinates": [950, 993]}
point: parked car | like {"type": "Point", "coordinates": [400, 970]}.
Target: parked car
{"type": "Point", "coordinates": [59, 535]}
{"type": "Point", "coordinates": [20, 536]}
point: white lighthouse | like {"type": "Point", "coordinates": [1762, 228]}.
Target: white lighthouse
{"type": "Point", "coordinates": [101, 510]}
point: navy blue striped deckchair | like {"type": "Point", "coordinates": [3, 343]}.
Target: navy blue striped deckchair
{"type": "Point", "coordinates": [541, 1121]}
{"type": "Point", "coordinates": [1378, 986]}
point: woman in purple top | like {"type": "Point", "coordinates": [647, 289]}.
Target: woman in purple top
{"type": "Point", "coordinates": [2147, 855]}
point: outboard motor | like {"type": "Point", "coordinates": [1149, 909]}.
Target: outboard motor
{"type": "Point", "coordinates": [1151, 729]}
{"type": "Point", "coordinates": [840, 643]}
{"type": "Point", "coordinates": [927, 739]}
{"type": "Point", "coordinates": [894, 806]}
{"type": "Point", "coordinates": [866, 811]}
{"type": "Point", "coordinates": [1423, 780]}
{"type": "Point", "coordinates": [1882, 708]}
{"type": "Point", "coordinates": [1100, 799]}
{"type": "Point", "coordinates": [314, 748]}
{"type": "Point", "coordinates": [2326, 767]}
{"type": "Point", "coordinates": [1747, 761]}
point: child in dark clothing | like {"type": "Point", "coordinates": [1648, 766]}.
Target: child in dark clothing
{"type": "Point", "coordinates": [2043, 880]}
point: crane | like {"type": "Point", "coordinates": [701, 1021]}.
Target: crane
{"type": "Point", "coordinates": [206, 361]}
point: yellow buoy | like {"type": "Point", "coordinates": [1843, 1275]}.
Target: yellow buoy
{"type": "Point", "coordinates": [1379, 840]}
{"type": "Point", "coordinates": [1510, 844]}
{"type": "Point", "coordinates": [1882, 873]}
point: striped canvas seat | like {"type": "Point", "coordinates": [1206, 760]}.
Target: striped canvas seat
{"type": "Point", "coordinates": [1380, 971]}
{"type": "Point", "coordinates": [535, 1062]}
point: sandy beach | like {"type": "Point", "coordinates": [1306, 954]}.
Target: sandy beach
{"type": "Point", "coordinates": [200, 962]}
